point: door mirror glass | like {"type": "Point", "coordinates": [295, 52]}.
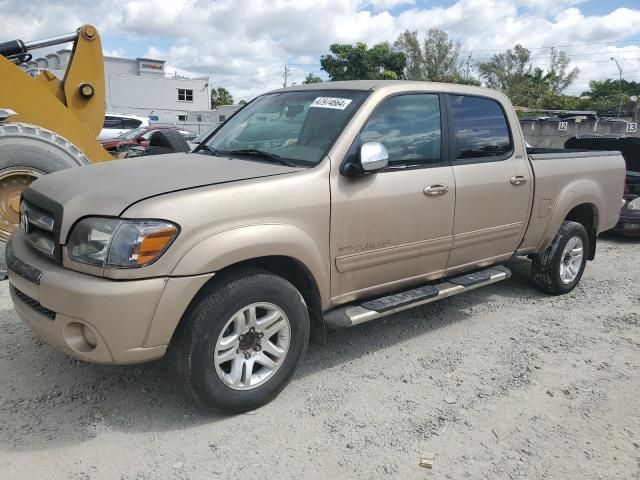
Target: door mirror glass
{"type": "Point", "coordinates": [373, 156]}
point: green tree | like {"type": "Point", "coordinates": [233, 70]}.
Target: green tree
{"type": "Point", "coordinates": [220, 96]}
{"type": "Point", "coordinates": [312, 78]}
{"type": "Point", "coordinates": [505, 70]}
{"type": "Point", "coordinates": [441, 57]}
{"type": "Point", "coordinates": [610, 95]}
{"type": "Point", "coordinates": [359, 62]}
{"type": "Point", "coordinates": [436, 59]}
{"type": "Point", "coordinates": [558, 76]}
{"type": "Point", "coordinates": [511, 72]}
{"type": "Point", "coordinates": [409, 44]}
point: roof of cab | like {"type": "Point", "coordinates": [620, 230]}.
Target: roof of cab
{"type": "Point", "coordinates": [382, 84]}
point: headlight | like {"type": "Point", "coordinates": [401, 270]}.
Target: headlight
{"type": "Point", "coordinates": [113, 242]}
{"type": "Point", "coordinates": [634, 204]}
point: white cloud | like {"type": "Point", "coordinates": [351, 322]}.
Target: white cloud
{"type": "Point", "coordinates": [244, 44]}
{"type": "Point", "coordinates": [388, 4]}
{"type": "Point", "coordinates": [115, 52]}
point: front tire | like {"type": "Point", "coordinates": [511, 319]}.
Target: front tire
{"type": "Point", "coordinates": [241, 341]}
{"type": "Point", "coordinates": [560, 267]}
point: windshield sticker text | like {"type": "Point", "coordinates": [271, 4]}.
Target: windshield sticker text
{"type": "Point", "coordinates": [331, 102]}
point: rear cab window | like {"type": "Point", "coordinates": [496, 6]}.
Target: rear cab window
{"type": "Point", "coordinates": [480, 129]}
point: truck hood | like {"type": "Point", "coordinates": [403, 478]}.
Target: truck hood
{"type": "Point", "coordinates": [110, 188]}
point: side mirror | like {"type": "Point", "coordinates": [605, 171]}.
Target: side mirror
{"type": "Point", "coordinates": [373, 156]}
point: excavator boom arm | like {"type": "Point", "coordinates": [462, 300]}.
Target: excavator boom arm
{"type": "Point", "coordinates": [73, 107]}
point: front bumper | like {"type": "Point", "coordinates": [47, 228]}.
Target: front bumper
{"type": "Point", "coordinates": [96, 319]}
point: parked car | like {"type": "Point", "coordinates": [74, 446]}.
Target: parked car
{"type": "Point", "coordinates": [629, 223]}
{"type": "Point", "coordinates": [140, 137]}
{"type": "Point", "coordinates": [116, 124]}
{"type": "Point", "coordinates": [316, 206]}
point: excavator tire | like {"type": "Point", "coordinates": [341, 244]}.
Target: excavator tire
{"type": "Point", "coordinates": [26, 153]}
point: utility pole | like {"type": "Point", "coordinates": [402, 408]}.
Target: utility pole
{"type": "Point", "coordinates": [286, 74]}
{"type": "Point", "coordinates": [619, 84]}
{"type": "Point", "coordinates": [469, 64]}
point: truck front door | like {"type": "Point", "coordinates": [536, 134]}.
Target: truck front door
{"type": "Point", "coordinates": [493, 183]}
{"type": "Point", "coordinates": [393, 227]}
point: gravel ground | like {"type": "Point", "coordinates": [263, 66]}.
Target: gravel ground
{"type": "Point", "coordinates": [502, 382]}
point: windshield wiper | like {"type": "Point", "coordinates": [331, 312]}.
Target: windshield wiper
{"type": "Point", "coordinates": [207, 149]}
{"type": "Point", "coordinates": [261, 153]}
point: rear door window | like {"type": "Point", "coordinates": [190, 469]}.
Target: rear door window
{"type": "Point", "coordinates": [409, 128]}
{"type": "Point", "coordinates": [480, 128]}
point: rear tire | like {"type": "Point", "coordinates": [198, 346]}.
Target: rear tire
{"type": "Point", "coordinates": [201, 363]}
{"type": "Point", "coordinates": [560, 267]}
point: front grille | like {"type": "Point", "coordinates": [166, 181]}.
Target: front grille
{"type": "Point", "coordinates": [33, 304]}
{"type": "Point", "coordinates": [38, 228]}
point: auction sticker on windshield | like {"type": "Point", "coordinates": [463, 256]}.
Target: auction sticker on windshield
{"type": "Point", "coordinates": [331, 102]}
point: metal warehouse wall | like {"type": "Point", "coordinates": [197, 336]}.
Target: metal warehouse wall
{"type": "Point", "coordinates": [546, 134]}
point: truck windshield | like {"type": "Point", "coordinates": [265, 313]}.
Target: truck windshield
{"type": "Point", "coordinates": [296, 127]}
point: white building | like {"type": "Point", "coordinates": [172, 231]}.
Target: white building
{"type": "Point", "coordinates": [139, 86]}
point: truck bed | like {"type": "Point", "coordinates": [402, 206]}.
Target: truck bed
{"type": "Point", "coordinates": [564, 177]}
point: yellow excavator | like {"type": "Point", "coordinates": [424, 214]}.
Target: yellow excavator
{"type": "Point", "coordinates": [47, 124]}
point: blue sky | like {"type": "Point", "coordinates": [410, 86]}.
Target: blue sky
{"type": "Point", "coordinates": [244, 44]}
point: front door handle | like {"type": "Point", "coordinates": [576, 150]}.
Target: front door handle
{"type": "Point", "coordinates": [435, 190]}
{"type": "Point", "coordinates": [518, 180]}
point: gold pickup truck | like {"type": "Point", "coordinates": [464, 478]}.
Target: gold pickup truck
{"type": "Point", "coordinates": [316, 206]}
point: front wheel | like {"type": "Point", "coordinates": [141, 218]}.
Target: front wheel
{"type": "Point", "coordinates": [241, 341]}
{"type": "Point", "coordinates": [559, 268]}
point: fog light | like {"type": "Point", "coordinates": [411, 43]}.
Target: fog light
{"type": "Point", "coordinates": [89, 336]}
{"type": "Point", "coordinates": [80, 337]}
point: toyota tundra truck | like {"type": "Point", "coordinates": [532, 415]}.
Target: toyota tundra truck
{"type": "Point", "coordinates": [315, 206]}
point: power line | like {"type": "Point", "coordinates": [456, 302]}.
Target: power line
{"type": "Point", "coordinates": [589, 61]}
{"type": "Point", "coordinates": [588, 54]}
{"type": "Point", "coordinates": [559, 46]}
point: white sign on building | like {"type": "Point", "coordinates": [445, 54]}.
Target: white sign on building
{"type": "Point", "coordinates": [150, 66]}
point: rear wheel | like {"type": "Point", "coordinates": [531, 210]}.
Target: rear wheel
{"type": "Point", "coordinates": [560, 267]}
{"type": "Point", "coordinates": [241, 341]}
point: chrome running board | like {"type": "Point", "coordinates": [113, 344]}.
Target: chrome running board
{"type": "Point", "coordinates": [350, 315]}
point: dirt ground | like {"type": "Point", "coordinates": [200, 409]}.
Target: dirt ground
{"type": "Point", "coordinates": [501, 382]}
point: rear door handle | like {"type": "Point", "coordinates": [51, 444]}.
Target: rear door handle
{"type": "Point", "coordinates": [435, 190]}
{"type": "Point", "coordinates": [518, 180]}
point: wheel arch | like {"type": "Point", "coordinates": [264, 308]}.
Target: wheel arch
{"type": "Point", "coordinates": [581, 202]}
{"type": "Point", "coordinates": [586, 214]}
{"type": "Point", "coordinates": [283, 250]}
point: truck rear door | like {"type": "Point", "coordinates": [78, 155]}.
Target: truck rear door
{"type": "Point", "coordinates": [493, 182]}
